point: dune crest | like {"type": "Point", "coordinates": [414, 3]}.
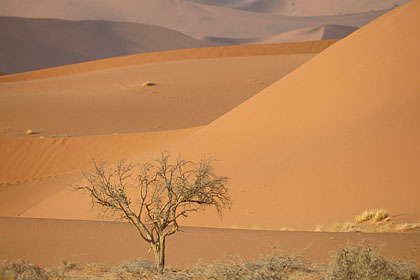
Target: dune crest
{"type": "Point", "coordinates": [324, 32]}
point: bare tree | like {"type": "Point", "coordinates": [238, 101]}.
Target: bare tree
{"type": "Point", "coordinates": [164, 192]}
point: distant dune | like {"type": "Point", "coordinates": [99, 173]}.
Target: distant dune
{"type": "Point", "coordinates": [315, 33]}
{"type": "Point", "coordinates": [31, 44]}
{"type": "Point", "coordinates": [198, 20]}
{"type": "Point", "coordinates": [2, 74]}
{"type": "Point", "coordinates": [306, 7]}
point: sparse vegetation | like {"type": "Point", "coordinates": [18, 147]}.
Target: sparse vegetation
{"type": "Point", "coordinates": [376, 220]}
{"type": "Point", "coordinates": [165, 193]}
{"type": "Point", "coordinates": [359, 262]}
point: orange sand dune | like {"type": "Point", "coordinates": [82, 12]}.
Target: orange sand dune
{"type": "Point", "coordinates": [197, 19]}
{"type": "Point", "coordinates": [31, 44]}
{"type": "Point", "coordinates": [114, 101]}
{"type": "Point", "coordinates": [335, 136]}
{"type": "Point", "coordinates": [92, 242]}
{"type": "Point", "coordinates": [175, 55]}
{"type": "Point", "coordinates": [325, 32]}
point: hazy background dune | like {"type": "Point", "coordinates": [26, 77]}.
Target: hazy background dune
{"type": "Point", "coordinates": [306, 7]}
{"type": "Point", "coordinates": [31, 44]}
{"type": "Point", "coordinates": [313, 33]}
{"type": "Point", "coordinates": [189, 17]}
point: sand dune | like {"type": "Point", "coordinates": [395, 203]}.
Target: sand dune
{"type": "Point", "coordinates": [113, 100]}
{"type": "Point", "coordinates": [306, 7]}
{"type": "Point", "coordinates": [315, 33]}
{"type": "Point", "coordinates": [73, 124]}
{"type": "Point", "coordinates": [335, 136]}
{"type": "Point", "coordinates": [189, 17]}
{"type": "Point", "coordinates": [83, 242]}
{"type": "Point", "coordinates": [175, 55]}
{"type": "Point", "coordinates": [31, 44]}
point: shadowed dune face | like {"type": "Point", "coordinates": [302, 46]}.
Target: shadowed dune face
{"type": "Point", "coordinates": [31, 44]}
{"type": "Point", "coordinates": [202, 20]}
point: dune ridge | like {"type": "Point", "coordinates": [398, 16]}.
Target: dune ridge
{"type": "Point", "coordinates": [174, 55]}
{"type": "Point", "coordinates": [324, 32]}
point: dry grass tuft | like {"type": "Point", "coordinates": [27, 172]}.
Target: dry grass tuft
{"type": "Point", "coordinates": [376, 215]}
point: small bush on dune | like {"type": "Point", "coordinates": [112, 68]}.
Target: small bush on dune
{"type": "Point", "coordinates": [365, 263]}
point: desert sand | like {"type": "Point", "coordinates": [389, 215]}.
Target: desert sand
{"type": "Point", "coordinates": [91, 242]}
{"type": "Point", "coordinates": [310, 134]}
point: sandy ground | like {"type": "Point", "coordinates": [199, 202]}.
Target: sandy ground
{"type": "Point", "coordinates": [31, 44]}
{"type": "Point", "coordinates": [112, 243]}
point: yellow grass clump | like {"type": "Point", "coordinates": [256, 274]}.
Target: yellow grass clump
{"type": "Point", "coordinates": [376, 215]}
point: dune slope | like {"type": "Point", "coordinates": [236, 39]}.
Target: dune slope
{"type": "Point", "coordinates": [336, 136]}
{"type": "Point", "coordinates": [31, 44]}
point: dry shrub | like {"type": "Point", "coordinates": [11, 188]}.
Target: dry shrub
{"type": "Point", "coordinates": [365, 263]}
{"type": "Point", "coordinates": [21, 270]}
{"type": "Point", "coordinates": [274, 266]}
{"type": "Point", "coordinates": [97, 267]}
{"type": "Point", "coordinates": [135, 267]}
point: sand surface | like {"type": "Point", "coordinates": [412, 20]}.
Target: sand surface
{"type": "Point", "coordinates": [88, 242]}
{"type": "Point", "coordinates": [31, 44]}
{"type": "Point", "coordinates": [201, 19]}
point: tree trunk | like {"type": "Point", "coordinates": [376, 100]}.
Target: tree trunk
{"type": "Point", "coordinates": [159, 251]}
